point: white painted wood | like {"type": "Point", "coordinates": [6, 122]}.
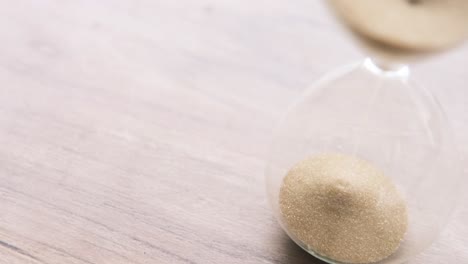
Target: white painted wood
{"type": "Point", "coordinates": [136, 131]}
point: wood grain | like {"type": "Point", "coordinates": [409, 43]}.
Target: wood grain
{"type": "Point", "coordinates": [136, 131]}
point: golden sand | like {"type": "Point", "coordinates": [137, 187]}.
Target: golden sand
{"type": "Point", "coordinates": [343, 208]}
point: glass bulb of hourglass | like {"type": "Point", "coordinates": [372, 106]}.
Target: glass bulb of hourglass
{"type": "Point", "coordinates": [363, 168]}
{"type": "Point", "coordinates": [377, 116]}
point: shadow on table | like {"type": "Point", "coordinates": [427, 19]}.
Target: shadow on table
{"type": "Point", "coordinates": [295, 254]}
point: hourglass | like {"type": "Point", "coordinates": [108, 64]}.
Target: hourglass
{"type": "Point", "coordinates": [363, 167]}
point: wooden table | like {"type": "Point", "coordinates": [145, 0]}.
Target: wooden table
{"type": "Point", "coordinates": [136, 131]}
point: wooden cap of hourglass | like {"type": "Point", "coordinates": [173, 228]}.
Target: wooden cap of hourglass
{"type": "Point", "coordinates": [400, 30]}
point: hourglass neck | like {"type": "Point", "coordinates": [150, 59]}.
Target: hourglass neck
{"type": "Point", "coordinates": [398, 71]}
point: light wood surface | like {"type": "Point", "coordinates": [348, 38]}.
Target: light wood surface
{"type": "Point", "coordinates": [136, 131]}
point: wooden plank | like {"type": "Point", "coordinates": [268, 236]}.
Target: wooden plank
{"type": "Point", "coordinates": [137, 131]}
